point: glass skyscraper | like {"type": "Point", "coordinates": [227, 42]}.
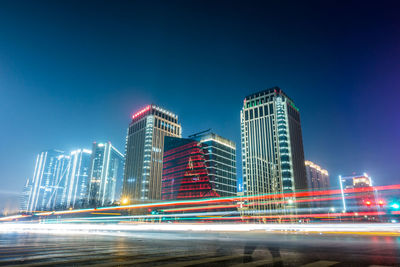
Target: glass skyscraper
{"type": "Point", "coordinates": [144, 152]}
{"type": "Point", "coordinates": [76, 183]}
{"type": "Point", "coordinates": [62, 174]}
{"type": "Point", "coordinates": [272, 149]}
{"type": "Point", "coordinates": [43, 181]}
{"type": "Point", "coordinates": [23, 206]}
{"type": "Point", "coordinates": [185, 173]}
{"type": "Point", "coordinates": [220, 155]}
{"type": "Point", "coordinates": [105, 175]}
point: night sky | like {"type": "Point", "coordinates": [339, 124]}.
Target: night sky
{"type": "Point", "coordinates": [74, 72]}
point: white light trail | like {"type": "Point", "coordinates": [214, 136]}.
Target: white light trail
{"type": "Point", "coordinates": [118, 229]}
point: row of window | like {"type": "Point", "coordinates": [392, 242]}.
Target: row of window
{"type": "Point", "coordinates": [137, 126]}
{"type": "Point", "coordinates": [167, 126]}
{"type": "Point", "coordinates": [259, 112]}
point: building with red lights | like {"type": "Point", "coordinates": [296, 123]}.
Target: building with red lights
{"type": "Point", "coordinates": [144, 153]}
{"type": "Point", "coordinates": [220, 155]}
{"type": "Point", "coordinates": [185, 174]}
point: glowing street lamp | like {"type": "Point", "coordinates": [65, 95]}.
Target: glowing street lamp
{"type": "Point", "coordinates": [125, 201]}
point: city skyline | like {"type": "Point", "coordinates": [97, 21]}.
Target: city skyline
{"type": "Point", "coordinates": [334, 77]}
{"type": "Point", "coordinates": [199, 133]}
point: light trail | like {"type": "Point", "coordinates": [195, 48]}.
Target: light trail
{"type": "Point", "coordinates": [236, 203]}
{"type": "Point", "coordinates": [127, 229]}
{"type": "Point", "coordinates": [226, 199]}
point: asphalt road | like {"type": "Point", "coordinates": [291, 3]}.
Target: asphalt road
{"type": "Point", "coordinates": [160, 248]}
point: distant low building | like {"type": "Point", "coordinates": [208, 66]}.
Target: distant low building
{"type": "Point", "coordinates": [357, 192]}
{"type": "Point", "coordinates": [317, 177]}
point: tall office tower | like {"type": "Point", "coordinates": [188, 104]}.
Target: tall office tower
{"type": "Point", "coordinates": [272, 149]}
{"type": "Point", "coordinates": [220, 155]}
{"type": "Point", "coordinates": [357, 192]}
{"type": "Point", "coordinates": [144, 152]}
{"type": "Point", "coordinates": [43, 180]}
{"type": "Point", "coordinates": [62, 174]}
{"type": "Point", "coordinates": [185, 174]}
{"type": "Point", "coordinates": [76, 183]}
{"type": "Point", "coordinates": [105, 175]}
{"type": "Point", "coordinates": [23, 206]}
{"type": "Point", "coordinates": [317, 178]}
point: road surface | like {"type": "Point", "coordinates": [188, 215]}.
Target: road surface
{"type": "Point", "coordinates": [196, 248]}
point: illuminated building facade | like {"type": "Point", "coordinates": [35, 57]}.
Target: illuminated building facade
{"type": "Point", "coordinates": [62, 174]}
{"type": "Point", "coordinates": [76, 180]}
{"type": "Point", "coordinates": [105, 175]}
{"type": "Point", "coordinates": [220, 156]}
{"type": "Point", "coordinates": [364, 196]}
{"type": "Point", "coordinates": [185, 174]}
{"type": "Point", "coordinates": [317, 178]}
{"type": "Point", "coordinates": [24, 198]}
{"type": "Point", "coordinates": [43, 180]}
{"type": "Point", "coordinates": [272, 149]}
{"type": "Point", "coordinates": [144, 152]}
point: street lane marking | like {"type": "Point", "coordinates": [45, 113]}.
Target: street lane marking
{"type": "Point", "coordinates": [258, 263]}
{"type": "Point", "coordinates": [59, 254]}
{"type": "Point", "coordinates": [203, 261]}
{"type": "Point", "coordinates": [88, 260]}
{"type": "Point", "coordinates": [151, 260]}
{"type": "Point", "coordinates": [363, 233]}
{"type": "Point", "coordinates": [38, 252]}
{"type": "Point", "coordinates": [320, 264]}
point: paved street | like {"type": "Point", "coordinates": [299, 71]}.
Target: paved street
{"type": "Point", "coordinates": [149, 248]}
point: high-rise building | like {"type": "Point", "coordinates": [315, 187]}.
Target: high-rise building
{"type": "Point", "coordinates": [185, 173]}
{"type": "Point", "coordinates": [23, 206]}
{"type": "Point", "coordinates": [105, 175]}
{"type": "Point", "coordinates": [272, 149]}
{"type": "Point", "coordinates": [76, 183]}
{"type": "Point", "coordinates": [62, 176]}
{"type": "Point", "coordinates": [144, 152]}
{"type": "Point", "coordinates": [220, 155]}
{"type": "Point", "coordinates": [43, 180]}
{"type": "Point", "coordinates": [317, 178]}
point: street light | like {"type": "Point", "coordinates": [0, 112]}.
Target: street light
{"type": "Point", "coordinates": [125, 201]}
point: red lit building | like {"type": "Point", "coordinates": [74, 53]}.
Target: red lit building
{"type": "Point", "coordinates": [185, 174]}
